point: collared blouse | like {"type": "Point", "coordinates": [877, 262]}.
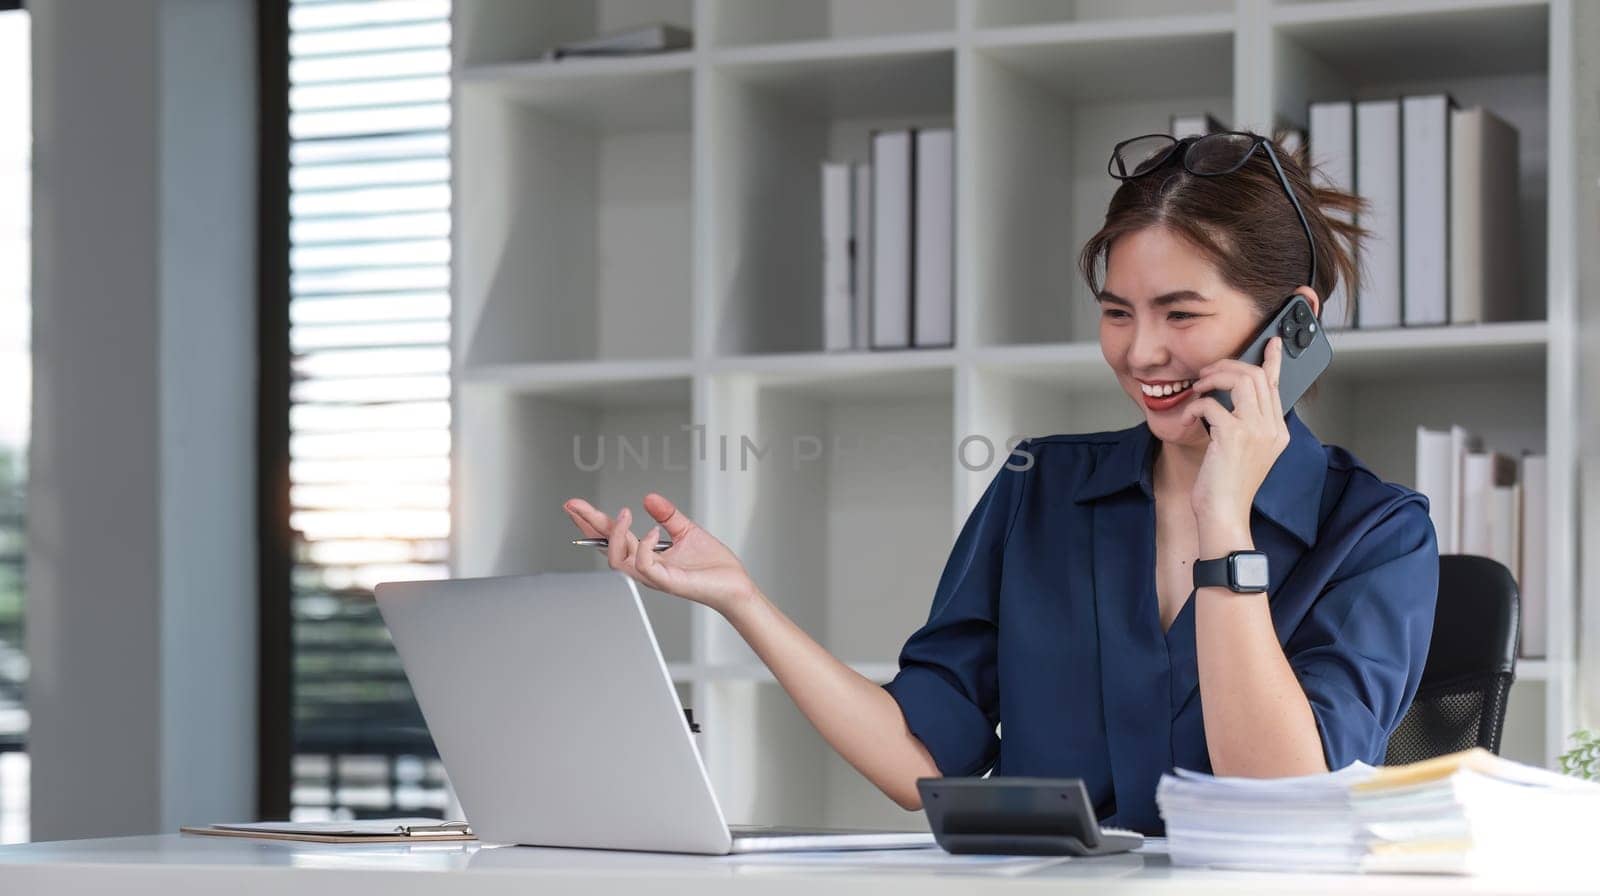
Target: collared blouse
{"type": "Point", "coordinates": [1045, 622]}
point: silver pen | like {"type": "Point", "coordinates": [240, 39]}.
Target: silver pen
{"type": "Point", "coordinates": [603, 543]}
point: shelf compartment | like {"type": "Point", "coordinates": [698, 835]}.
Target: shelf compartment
{"type": "Point", "coordinates": [836, 495]}
{"type": "Point", "coordinates": [1491, 401]}
{"type": "Point", "coordinates": [1094, 65]}
{"type": "Point", "coordinates": [1442, 353]}
{"type": "Point", "coordinates": [1375, 40]}
{"type": "Point", "coordinates": [773, 123]}
{"type": "Point", "coordinates": [524, 455]}
{"type": "Point", "coordinates": [1027, 397]}
{"type": "Point", "coordinates": [576, 208]}
{"type": "Point", "coordinates": [829, 83]}
{"type": "Point", "coordinates": [1043, 118]}
{"type": "Point", "coordinates": [493, 31]}
{"type": "Point", "coordinates": [741, 22]}
{"type": "Point", "coordinates": [611, 95]}
{"type": "Point", "coordinates": [1007, 13]}
{"type": "Point", "coordinates": [1494, 55]}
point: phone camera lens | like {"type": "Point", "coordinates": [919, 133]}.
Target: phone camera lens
{"type": "Point", "coordinates": [1303, 338]}
{"type": "Point", "coordinates": [1302, 314]}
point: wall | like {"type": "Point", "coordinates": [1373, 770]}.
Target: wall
{"type": "Point", "coordinates": [141, 552]}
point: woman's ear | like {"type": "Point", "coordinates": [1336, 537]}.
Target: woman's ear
{"type": "Point", "coordinates": [1311, 296]}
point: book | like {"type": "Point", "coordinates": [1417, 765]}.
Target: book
{"type": "Point", "coordinates": [1424, 209]}
{"type": "Point", "coordinates": [1505, 525]}
{"type": "Point", "coordinates": [653, 38]}
{"type": "Point", "coordinates": [933, 294]}
{"type": "Point", "coordinates": [837, 208]}
{"type": "Point", "coordinates": [1484, 216]}
{"type": "Point", "coordinates": [892, 229]}
{"type": "Point", "coordinates": [861, 259]}
{"type": "Point", "coordinates": [1440, 455]}
{"type": "Point", "coordinates": [1379, 298]}
{"type": "Point", "coordinates": [1534, 555]}
{"type": "Point", "coordinates": [1484, 532]}
{"type": "Point", "coordinates": [1333, 153]}
{"type": "Point", "coordinates": [1190, 125]}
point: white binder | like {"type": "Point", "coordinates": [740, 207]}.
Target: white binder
{"type": "Point", "coordinates": [933, 298]}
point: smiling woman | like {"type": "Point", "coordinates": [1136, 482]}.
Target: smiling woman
{"type": "Point", "coordinates": [1124, 577]}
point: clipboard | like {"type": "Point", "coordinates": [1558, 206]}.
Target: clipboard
{"type": "Point", "coordinates": [379, 830]}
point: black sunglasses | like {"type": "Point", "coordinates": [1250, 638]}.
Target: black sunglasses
{"type": "Point", "coordinates": [1204, 156]}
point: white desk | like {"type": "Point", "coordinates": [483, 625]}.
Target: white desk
{"type": "Point", "coordinates": [178, 863]}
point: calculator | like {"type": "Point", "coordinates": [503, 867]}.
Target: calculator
{"type": "Point", "coordinates": [1019, 816]}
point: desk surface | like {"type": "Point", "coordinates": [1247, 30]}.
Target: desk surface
{"type": "Point", "coordinates": [185, 863]}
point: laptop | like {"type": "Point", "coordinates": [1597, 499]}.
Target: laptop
{"type": "Point", "coordinates": [558, 723]}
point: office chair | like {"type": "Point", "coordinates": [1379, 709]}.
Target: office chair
{"type": "Point", "coordinates": [1472, 660]}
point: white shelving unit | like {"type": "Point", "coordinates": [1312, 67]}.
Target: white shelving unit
{"type": "Point", "coordinates": [638, 262]}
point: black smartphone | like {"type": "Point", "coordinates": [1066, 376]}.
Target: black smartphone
{"type": "Point", "coordinates": [1306, 353]}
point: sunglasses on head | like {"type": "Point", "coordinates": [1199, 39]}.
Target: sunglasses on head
{"type": "Point", "coordinates": [1209, 155]}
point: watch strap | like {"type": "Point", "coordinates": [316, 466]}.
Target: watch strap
{"type": "Point", "coordinates": [1212, 573]}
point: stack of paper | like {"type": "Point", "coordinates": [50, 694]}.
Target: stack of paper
{"type": "Point", "coordinates": [1466, 813]}
{"type": "Point", "coordinates": [1475, 813]}
{"type": "Point", "coordinates": [1303, 824]}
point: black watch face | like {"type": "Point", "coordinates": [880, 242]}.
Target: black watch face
{"type": "Point", "coordinates": [1250, 571]}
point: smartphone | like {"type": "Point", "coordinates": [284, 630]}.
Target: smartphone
{"type": "Point", "coordinates": [1306, 353]}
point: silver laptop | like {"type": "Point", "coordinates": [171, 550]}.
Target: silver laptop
{"type": "Point", "coordinates": [558, 722]}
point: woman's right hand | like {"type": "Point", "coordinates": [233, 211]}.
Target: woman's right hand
{"type": "Point", "coordinates": [697, 567]}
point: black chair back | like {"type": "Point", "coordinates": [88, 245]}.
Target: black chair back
{"type": "Point", "coordinates": [1472, 660]}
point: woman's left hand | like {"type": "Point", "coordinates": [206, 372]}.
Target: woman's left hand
{"type": "Point", "coordinates": [1245, 443]}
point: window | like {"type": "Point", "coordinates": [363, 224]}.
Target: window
{"type": "Point", "coordinates": [16, 144]}
{"type": "Point", "coordinates": [369, 416]}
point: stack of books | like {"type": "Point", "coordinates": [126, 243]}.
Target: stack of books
{"type": "Point", "coordinates": [657, 37]}
{"type": "Point", "coordinates": [1466, 813]}
{"type": "Point", "coordinates": [888, 244]}
{"type": "Point", "coordinates": [1441, 183]}
{"type": "Point", "coordinates": [1490, 504]}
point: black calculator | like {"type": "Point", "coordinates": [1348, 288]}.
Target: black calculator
{"type": "Point", "coordinates": [1019, 816]}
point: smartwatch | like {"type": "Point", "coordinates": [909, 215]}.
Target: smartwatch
{"type": "Point", "coordinates": [1241, 571]}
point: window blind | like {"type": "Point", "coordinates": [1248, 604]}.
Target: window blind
{"type": "Point", "coordinates": [369, 428]}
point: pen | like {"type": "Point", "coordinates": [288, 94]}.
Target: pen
{"type": "Point", "coordinates": [603, 543]}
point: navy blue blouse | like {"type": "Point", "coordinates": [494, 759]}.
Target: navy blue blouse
{"type": "Point", "coordinates": [1045, 618]}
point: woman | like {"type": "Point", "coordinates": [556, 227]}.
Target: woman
{"type": "Point", "coordinates": [1070, 607]}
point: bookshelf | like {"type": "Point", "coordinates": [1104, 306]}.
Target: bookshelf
{"type": "Point", "coordinates": [638, 260]}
